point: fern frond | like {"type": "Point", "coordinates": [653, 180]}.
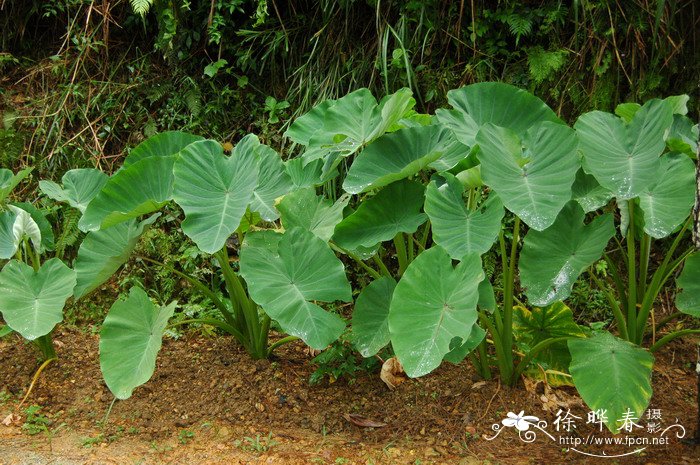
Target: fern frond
{"type": "Point", "coordinates": [543, 64]}
{"type": "Point", "coordinates": [141, 7]}
{"type": "Point", "coordinates": [69, 232]}
{"type": "Point", "coordinates": [519, 26]}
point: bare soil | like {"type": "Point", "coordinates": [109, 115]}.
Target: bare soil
{"type": "Point", "coordinates": [209, 403]}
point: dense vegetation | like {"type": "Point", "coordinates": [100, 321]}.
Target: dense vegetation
{"type": "Point", "coordinates": [403, 213]}
{"type": "Point", "coordinates": [91, 78]}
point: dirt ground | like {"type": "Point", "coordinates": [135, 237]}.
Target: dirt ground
{"type": "Point", "coordinates": [208, 403]}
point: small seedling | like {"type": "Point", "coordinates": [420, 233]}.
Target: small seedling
{"type": "Point", "coordinates": [35, 422]}
{"type": "Point", "coordinates": [185, 435]}
{"type": "Point", "coordinates": [257, 444]}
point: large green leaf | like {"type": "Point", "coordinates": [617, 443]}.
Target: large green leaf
{"type": "Point", "coordinates": [25, 227]}
{"type": "Point", "coordinates": [360, 119]}
{"type": "Point", "coordinates": [343, 127]}
{"type": "Point", "coordinates": [370, 318]}
{"type": "Point", "coordinates": [9, 181]}
{"type": "Point", "coordinates": [164, 144]}
{"type": "Point", "coordinates": [102, 253]}
{"type": "Point", "coordinates": [287, 273]}
{"type": "Point", "coordinates": [552, 260]}
{"type": "Point", "coordinates": [32, 302]}
{"type": "Point", "coordinates": [394, 209]}
{"type": "Point", "coordinates": [688, 299]}
{"type": "Point", "coordinates": [304, 174]}
{"type": "Point", "coordinates": [683, 136]}
{"type": "Point", "coordinates": [303, 128]}
{"type": "Point", "coordinates": [396, 156]}
{"type": "Point", "coordinates": [492, 102]}
{"type": "Point", "coordinates": [531, 327]}
{"type": "Point", "coordinates": [624, 158]}
{"type": "Point", "coordinates": [45, 229]}
{"type": "Point", "coordinates": [213, 191]}
{"type": "Point", "coordinates": [532, 176]}
{"type": "Point", "coordinates": [130, 339]}
{"type": "Point", "coordinates": [456, 228]}
{"type": "Point", "coordinates": [611, 375]}
{"type": "Point", "coordinates": [8, 246]}
{"type": "Point", "coordinates": [273, 180]}
{"type": "Point", "coordinates": [80, 186]}
{"type": "Point", "coordinates": [433, 304]}
{"type": "Point", "coordinates": [667, 203]}
{"type": "Point", "coordinates": [588, 193]}
{"type": "Point", "coordinates": [460, 350]}
{"type": "Point", "coordinates": [305, 209]}
{"type": "Point", "coordinates": [143, 187]}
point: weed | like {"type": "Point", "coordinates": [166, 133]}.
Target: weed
{"type": "Point", "coordinates": [185, 436]}
{"type": "Point", "coordinates": [35, 422]}
{"type": "Point", "coordinates": [4, 396]}
{"type": "Point", "coordinates": [257, 444]}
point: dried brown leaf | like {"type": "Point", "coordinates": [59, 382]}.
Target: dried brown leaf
{"type": "Point", "coordinates": [11, 419]}
{"type": "Point", "coordinates": [392, 373]}
{"type": "Point", "coordinates": [363, 422]}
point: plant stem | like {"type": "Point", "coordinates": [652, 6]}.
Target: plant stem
{"type": "Point", "coordinates": [509, 285]}
{"type": "Point", "coordinates": [401, 256]}
{"type": "Point", "coordinates": [617, 313]}
{"type": "Point", "coordinates": [281, 342]}
{"type": "Point", "coordinates": [661, 275]}
{"type": "Point", "coordinates": [228, 316]}
{"type": "Point", "coordinates": [357, 259]}
{"type": "Point", "coordinates": [533, 352]}
{"type": "Point", "coordinates": [644, 253]}
{"type": "Point", "coordinates": [669, 337]}
{"type": "Point", "coordinates": [45, 345]}
{"type": "Point", "coordinates": [484, 359]}
{"type": "Point", "coordinates": [631, 276]}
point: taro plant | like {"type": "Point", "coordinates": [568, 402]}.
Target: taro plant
{"type": "Point", "coordinates": [641, 158]}
{"type": "Point", "coordinates": [229, 204]}
{"type": "Point", "coordinates": [34, 288]}
{"type": "Point", "coordinates": [511, 152]}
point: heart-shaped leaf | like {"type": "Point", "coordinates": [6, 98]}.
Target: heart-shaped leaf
{"type": "Point", "coordinates": [588, 193]}
{"type": "Point", "coordinates": [286, 273]}
{"type": "Point", "coordinates": [9, 181]}
{"type": "Point", "coordinates": [80, 186]}
{"type": "Point", "coordinates": [611, 375]}
{"type": "Point", "coordinates": [273, 180]}
{"type": "Point", "coordinates": [143, 187]}
{"type": "Point", "coordinates": [370, 317]}
{"type": "Point", "coordinates": [460, 350]}
{"type": "Point", "coordinates": [304, 175]}
{"type": "Point", "coordinates": [397, 156]}
{"type": "Point", "coordinates": [552, 260]}
{"type": "Point", "coordinates": [32, 302]}
{"type": "Point", "coordinates": [305, 209]}
{"type": "Point", "coordinates": [624, 158]}
{"type": "Point", "coordinates": [456, 228]}
{"type": "Point", "coordinates": [668, 202]}
{"type": "Point", "coordinates": [130, 339]}
{"type": "Point", "coordinates": [25, 227]}
{"type": "Point", "coordinates": [432, 304]}
{"type": "Point", "coordinates": [532, 326]}
{"type": "Point", "coordinates": [103, 252]}
{"type": "Point", "coordinates": [164, 144]}
{"type": "Point", "coordinates": [394, 209]}
{"type": "Point", "coordinates": [533, 177]}
{"type": "Point", "coordinates": [8, 247]}
{"type": "Point", "coordinates": [213, 191]}
{"type": "Point", "coordinates": [688, 299]}
{"type": "Point", "coordinates": [45, 229]}
{"type": "Point", "coordinates": [492, 102]}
